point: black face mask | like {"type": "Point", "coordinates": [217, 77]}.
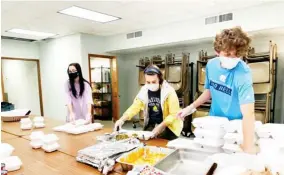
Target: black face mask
{"type": "Point", "coordinates": [73, 75]}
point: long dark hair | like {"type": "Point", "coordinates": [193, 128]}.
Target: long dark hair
{"type": "Point", "coordinates": [81, 80]}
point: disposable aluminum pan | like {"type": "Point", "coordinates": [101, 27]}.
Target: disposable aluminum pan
{"type": "Point", "coordinates": [129, 166]}
{"type": "Point", "coordinates": [183, 161]}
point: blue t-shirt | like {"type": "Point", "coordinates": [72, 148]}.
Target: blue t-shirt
{"type": "Point", "coordinates": [229, 88]}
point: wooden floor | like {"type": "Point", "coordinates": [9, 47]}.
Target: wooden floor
{"type": "Point", "coordinates": [61, 162]}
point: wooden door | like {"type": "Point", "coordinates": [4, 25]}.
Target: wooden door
{"type": "Point", "coordinates": [27, 70]}
{"type": "Point", "coordinates": [114, 83]}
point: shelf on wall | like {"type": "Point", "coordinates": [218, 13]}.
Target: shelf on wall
{"type": "Point", "coordinates": [202, 62]}
{"type": "Point", "coordinates": [102, 82]}
{"type": "Point", "coordinates": [100, 68]}
{"type": "Point", "coordinates": [101, 92]}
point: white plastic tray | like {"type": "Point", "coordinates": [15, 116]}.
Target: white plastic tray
{"type": "Point", "coordinates": [80, 122]}
{"type": "Point", "coordinates": [77, 130]}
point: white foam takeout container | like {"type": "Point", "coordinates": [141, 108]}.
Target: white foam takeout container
{"type": "Point", "coordinates": [210, 122]}
{"type": "Point", "coordinates": [271, 130]}
{"type": "Point", "coordinates": [12, 163]}
{"type": "Point", "coordinates": [233, 138]}
{"type": "Point", "coordinates": [37, 135]}
{"type": "Point", "coordinates": [36, 144]}
{"type": "Point", "coordinates": [77, 130]}
{"type": "Point", "coordinates": [207, 133]}
{"type": "Point", "coordinates": [39, 125]}
{"type": "Point", "coordinates": [209, 142]}
{"type": "Point", "coordinates": [78, 127]}
{"type": "Point", "coordinates": [94, 126]}
{"type": "Point", "coordinates": [25, 121]}
{"type": "Point", "coordinates": [231, 148]}
{"type": "Point", "coordinates": [50, 138]}
{"type": "Point", "coordinates": [6, 150]}
{"type": "Point", "coordinates": [235, 126]}
{"type": "Point", "coordinates": [38, 119]}
{"type": "Point", "coordinates": [50, 147]}
{"type": "Point", "coordinates": [270, 145]}
{"type": "Point", "coordinates": [187, 144]}
{"type": "Point", "coordinates": [26, 126]}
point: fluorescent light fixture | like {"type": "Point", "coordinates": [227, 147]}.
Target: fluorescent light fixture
{"type": "Point", "coordinates": [30, 32]}
{"type": "Point", "coordinates": [88, 14]}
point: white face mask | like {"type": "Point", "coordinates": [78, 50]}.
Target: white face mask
{"type": "Point", "coordinates": [153, 87]}
{"type": "Point", "coordinates": [229, 63]}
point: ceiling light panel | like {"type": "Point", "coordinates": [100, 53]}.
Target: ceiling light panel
{"type": "Point", "coordinates": [88, 14]}
{"type": "Point", "coordinates": [31, 33]}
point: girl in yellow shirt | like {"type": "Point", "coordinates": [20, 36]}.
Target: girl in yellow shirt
{"type": "Point", "coordinates": [160, 105]}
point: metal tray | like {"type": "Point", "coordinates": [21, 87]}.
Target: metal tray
{"type": "Point", "coordinates": [183, 161]}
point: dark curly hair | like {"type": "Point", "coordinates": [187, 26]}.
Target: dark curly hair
{"type": "Point", "coordinates": [232, 39]}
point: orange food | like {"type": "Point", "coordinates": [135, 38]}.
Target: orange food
{"type": "Point", "coordinates": [138, 158]}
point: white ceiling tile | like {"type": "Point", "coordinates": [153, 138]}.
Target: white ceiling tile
{"type": "Point", "coordinates": [136, 15]}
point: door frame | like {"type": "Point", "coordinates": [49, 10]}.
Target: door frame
{"type": "Point", "coordinates": [38, 77]}
{"type": "Point", "coordinates": [113, 63]}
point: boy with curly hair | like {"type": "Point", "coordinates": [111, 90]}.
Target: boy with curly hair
{"type": "Point", "coordinates": [229, 84]}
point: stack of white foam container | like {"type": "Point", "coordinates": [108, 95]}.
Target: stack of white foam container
{"type": "Point", "coordinates": [39, 122]}
{"type": "Point", "coordinates": [209, 133]}
{"type": "Point", "coordinates": [234, 136]}
{"type": "Point", "coordinates": [26, 124]}
{"type": "Point", "coordinates": [12, 163]}
{"type": "Point", "coordinates": [271, 138]}
{"type": "Point", "coordinates": [36, 139]}
{"type": "Point", "coordinates": [271, 145]}
{"type": "Point", "coordinates": [50, 143]}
